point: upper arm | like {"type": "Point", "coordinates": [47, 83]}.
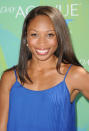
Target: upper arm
{"type": "Point", "coordinates": [6, 82]}
{"type": "Point", "coordinates": [81, 81]}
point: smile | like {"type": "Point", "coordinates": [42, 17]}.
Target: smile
{"type": "Point", "coordinates": [42, 51]}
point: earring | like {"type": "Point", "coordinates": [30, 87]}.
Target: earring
{"type": "Point", "coordinates": [27, 44]}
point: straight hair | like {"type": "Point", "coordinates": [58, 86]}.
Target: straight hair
{"type": "Point", "coordinates": [64, 51]}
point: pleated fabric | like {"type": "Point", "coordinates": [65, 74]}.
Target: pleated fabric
{"type": "Point", "coordinates": [44, 110]}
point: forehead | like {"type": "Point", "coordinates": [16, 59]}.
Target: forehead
{"type": "Point", "coordinates": [41, 22]}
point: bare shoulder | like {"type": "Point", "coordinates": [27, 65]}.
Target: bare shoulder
{"type": "Point", "coordinates": [78, 75]}
{"type": "Point", "coordinates": [7, 80]}
{"type": "Point", "coordinates": [78, 69]}
{"type": "Point", "coordinates": [78, 72]}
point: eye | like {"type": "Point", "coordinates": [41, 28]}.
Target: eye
{"type": "Point", "coordinates": [33, 34]}
{"type": "Point", "coordinates": [51, 35]}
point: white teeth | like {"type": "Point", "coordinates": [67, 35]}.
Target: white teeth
{"type": "Point", "coordinates": [42, 51]}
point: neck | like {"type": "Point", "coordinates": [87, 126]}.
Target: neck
{"type": "Point", "coordinates": [38, 65]}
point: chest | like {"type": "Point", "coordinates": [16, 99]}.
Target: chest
{"type": "Point", "coordinates": [42, 81]}
{"type": "Point", "coordinates": [30, 106]}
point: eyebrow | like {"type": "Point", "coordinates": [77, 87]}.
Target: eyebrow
{"type": "Point", "coordinates": [38, 31]}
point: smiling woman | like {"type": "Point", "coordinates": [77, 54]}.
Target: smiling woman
{"type": "Point", "coordinates": [39, 93]}
{"type": "Point", "coordinates": [41, 38]}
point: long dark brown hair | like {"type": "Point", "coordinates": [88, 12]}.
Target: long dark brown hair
{"type": "Point", "coordinates": [64, 52]}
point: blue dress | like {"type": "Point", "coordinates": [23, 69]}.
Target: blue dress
{"type": "Point", "coordinates": [44, 110]}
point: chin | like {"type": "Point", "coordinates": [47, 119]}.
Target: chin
{"type": "Point", "coordinates": [42, 58]}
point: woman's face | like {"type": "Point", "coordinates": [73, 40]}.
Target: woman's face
{"type": "Point", "coordinates": [41, 38]}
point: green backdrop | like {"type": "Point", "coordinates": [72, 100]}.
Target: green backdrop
{"type": "Point", "coordinates": [76, 13]}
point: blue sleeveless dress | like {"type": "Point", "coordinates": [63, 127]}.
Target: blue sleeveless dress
{"type": "Point", "coordinates": [44, 110]}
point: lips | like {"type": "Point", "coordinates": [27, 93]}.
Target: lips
{"type": "Point", "coordinates": [42, 51]}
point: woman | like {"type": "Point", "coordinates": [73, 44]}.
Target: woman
{"type": "Point", "coordinates": [39, 93]}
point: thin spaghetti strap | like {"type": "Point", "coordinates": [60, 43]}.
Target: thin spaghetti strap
{"type": "Point", "coordinates": [15, 74]}
{"type": "Point", "coordinates": [67, 71]}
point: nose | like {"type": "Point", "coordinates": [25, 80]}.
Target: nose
{"type": "Point", "coordinates": [42, 41]}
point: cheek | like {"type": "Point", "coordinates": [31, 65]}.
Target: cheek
{"type": "Point", "coordinates": [53, 43]}
{"type": "Point", "coordinates": [32, 43]}
{"type": "Point", "coordinates": [48, 43]}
